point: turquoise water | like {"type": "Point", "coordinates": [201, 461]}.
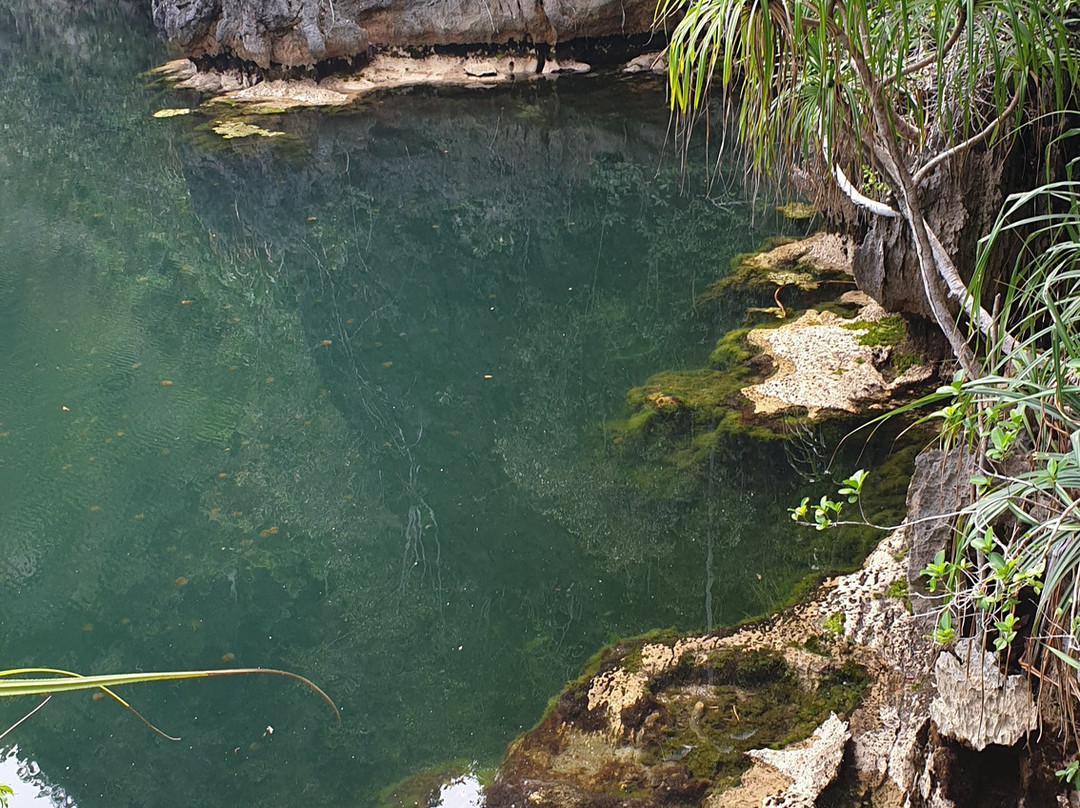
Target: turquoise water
{"type": "Point", "coordinates": [334, 402]}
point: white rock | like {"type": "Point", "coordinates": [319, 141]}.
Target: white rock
{"type": "Point", "coordinates": [480, 70]}
{"type": "Point", "coordinates": [975, 704]}
{"type": "Point", "coordinates": [811, 765]}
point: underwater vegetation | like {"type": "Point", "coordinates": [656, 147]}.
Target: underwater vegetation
{"type": "Point", "coordinates": [683, 737]}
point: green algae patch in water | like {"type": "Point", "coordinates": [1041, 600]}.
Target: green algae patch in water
{"type": "Point", "coordinates": [797, 211]}
{"type": "Point", "coordinates": [238, 128]}
{"type": "Point", "coordinates": [704, 402]}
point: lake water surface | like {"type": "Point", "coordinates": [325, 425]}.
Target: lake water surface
{"type": "Point", "coordinates": [335, 402]}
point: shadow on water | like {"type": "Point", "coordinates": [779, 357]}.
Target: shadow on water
{"type": "Point", "coordinates": [337, 405]}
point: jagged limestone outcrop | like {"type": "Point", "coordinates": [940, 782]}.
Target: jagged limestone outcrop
{"type": "Point", "coordinates": [916, 725]}
{"type": "Point", "coordinates": [811, 765]}
{"type": "Point", "coordinates": [290, 33]}
{"type": "Point", "coordinates": [976, 703]}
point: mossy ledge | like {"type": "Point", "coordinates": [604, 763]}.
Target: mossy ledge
{"type": "Point", "coordinates": [844, 357]}
{"type": "Point", "coordinates": [667, 720]}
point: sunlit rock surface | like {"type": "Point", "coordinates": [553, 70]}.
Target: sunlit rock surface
{"type": "Point", "coordinates": [810, 765]}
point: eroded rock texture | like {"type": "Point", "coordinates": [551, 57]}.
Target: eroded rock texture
{"type": "Point", "coordinates": [303, 32]}
{"type": "Point", "coordinates": [961, 201]}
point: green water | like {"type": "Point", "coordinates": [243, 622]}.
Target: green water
{"type": "Point", "coordinates": [335, 402]}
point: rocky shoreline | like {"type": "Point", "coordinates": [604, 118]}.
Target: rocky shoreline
{"type": "Point", "coordinates": [842, 699]}
{"type": "Point", "coordinates": [384, 72]}
{"type": "Point", "coordinates": [925, 726]}
{"type": "Point", "coordinates": [896, 721]}
{"type": "Point", "coordinates": [279, 33]}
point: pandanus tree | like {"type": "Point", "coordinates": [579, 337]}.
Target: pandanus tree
{"type": "Point", "coordinates": [880, 101]}
{"type": "Point", "coordinates": [876, 96]}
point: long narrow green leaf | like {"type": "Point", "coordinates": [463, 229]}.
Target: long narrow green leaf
{"type": "Point", "coordinates": [39, 687]}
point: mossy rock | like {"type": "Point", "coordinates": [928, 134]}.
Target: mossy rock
{"type": "Point", "coordinates": [773, 279]}
{"type": "Point", "coordinates": [701, 397]}
{"type": "Point", "coordinates": [740, 700]}
{"type": "Point", "coordinates": [688, 732]}
{"type": "Point", "coordinates": [797, 211]}
{"type": "Point", "coordinates": [889, 331]}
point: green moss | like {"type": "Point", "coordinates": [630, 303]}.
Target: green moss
{"type": "Point", "coordinates": [889, 330]}
{"type": "Point", "coordinates": [705, 403]}
{"type": "Point", "coordinates": [797, 211]}
{"type": "Point", "coordinates": [763, 277]}
{"type": "Point", "coordinates": [732, 351]}
{"type": "Point", "coordinates": [839, 691]}
{"type": "Point", "coordinates": [845, 310]}
{"type": "Point", "coordinates": [834, 623]}
{"type": "Point", "coordinates": [897, 589]}
{"type": "Point", "coordinates": [799, 592]}
{"type": "Point", "coordinates": [753, 699]}
{"type": "Point", "coordinates": [624, 653]}
{"type": "Point", "coordinates": [902, 361]}
{"type": "Point", "coordinates": [631, 648]}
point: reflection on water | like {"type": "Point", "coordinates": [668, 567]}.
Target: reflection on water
{"type": "Point", "coordinates": [30, 787]}
{"type": "Point", "coordinates": [335, 403]}
{"type": "Point", "coordinates": [461, 792]}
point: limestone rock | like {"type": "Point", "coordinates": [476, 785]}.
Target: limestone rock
{"type": "Point", "coordinates": [811, 765]}
{"type": "Point", "coordinates": [305, 32]}
{"type": "Point", "coordinates": [652, 62]}
{"type": "Point", "coordinates": [822, 365]}
{"type": "Point", "coordinates": [480, 70]}
{"type": "Point", "coordinates": [283, 32]}
{"type": "Point", "coordinates": [939, 485]}
{"type": "Point", "coordinates": [976, 704]}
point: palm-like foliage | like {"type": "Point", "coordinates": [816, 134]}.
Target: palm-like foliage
{"type": "Point", "coordinates": [880, 90]}
{"type": "Point", "coordinates": [1021, 534]}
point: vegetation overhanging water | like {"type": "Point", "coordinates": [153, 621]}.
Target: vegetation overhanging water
{"type": "Point", "coordinates": [335, 402]}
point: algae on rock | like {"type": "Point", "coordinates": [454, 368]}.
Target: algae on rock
{"type": "Point", "coordinates": [670, 720]}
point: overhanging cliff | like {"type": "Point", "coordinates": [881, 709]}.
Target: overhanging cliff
{"type": "Point", "coordinates": [293, 33]}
